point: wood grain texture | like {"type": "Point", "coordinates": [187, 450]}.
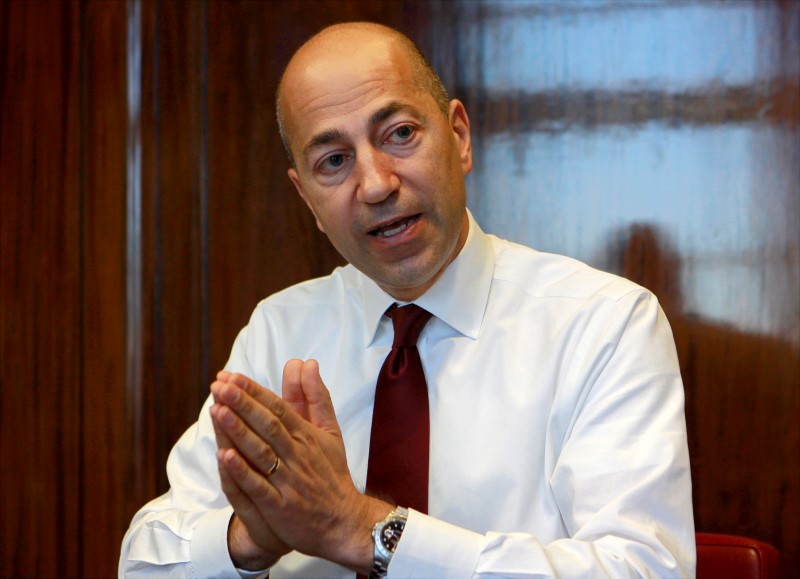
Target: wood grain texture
{"type": "Point", "coordinates": [606, 131]}
{"type": "Point", "coordinates": [40, 290]}
{"type": "Point", "coordinates": [106, 447]}
{"type": "Point", "coordinates": [174, 226]}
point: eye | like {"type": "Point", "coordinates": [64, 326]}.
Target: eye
{"type": "Point", "coordinates": [335, 160]}
{"type": "Point", "coordinates": [332, 163]}
{"type": "Point", "coordinates": [402, 134]}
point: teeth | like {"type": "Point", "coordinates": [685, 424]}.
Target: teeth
{"type": "Point", "coordinates": [394, 230]}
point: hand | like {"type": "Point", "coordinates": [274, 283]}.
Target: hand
{"type": "Point", "coordinates": [252, 544]}
{"type": "Point", "coordinates": [310, 501]}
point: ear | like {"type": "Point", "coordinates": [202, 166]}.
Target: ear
{"type": "Point", "coordinates": [295, 178]}
{"type": "Point", "coordinates": [459, 122]}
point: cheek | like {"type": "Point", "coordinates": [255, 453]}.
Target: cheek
{"type": "Point", "coordinates": [335, 221]}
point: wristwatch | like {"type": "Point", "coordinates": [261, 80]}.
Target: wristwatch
{"type": "Point", "coordinates": [386, 535]}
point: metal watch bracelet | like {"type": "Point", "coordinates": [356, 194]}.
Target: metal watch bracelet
{"type": "Point", "coordinates": [386, 534]}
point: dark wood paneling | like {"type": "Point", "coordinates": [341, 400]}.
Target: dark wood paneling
{"type": "Point", "coordinates": [174, 225]}
{"type": "Point", "coordinates": [123, 283]}
{"type": "Point", "coordinates": [106, 446]}
{"type": "Point", "coordinates": [40, 289]}
{"type": "Point", "coordinates": [65, 449]}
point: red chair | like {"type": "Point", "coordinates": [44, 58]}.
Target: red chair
{"type": "Point", "coordinates": [733, 557]}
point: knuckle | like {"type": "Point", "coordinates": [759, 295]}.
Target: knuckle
{"type": "Point", "coordinates": [272, 429]}
{"type": "Point", "coordinates": [306, 438]}
{"type": "Point", "coordinates": [245, 405]}
{"type": "Point", "coordinates": [279, 408]}
{"type": "Point", "coordinates": [237, 426]}
{"type": "Point", "coordinates": [264, 456]}
{"type": "Point", "coordinates": [255, 489]}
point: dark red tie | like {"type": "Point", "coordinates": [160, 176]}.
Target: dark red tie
{"type": "Point", "coordinates": [398, 446]}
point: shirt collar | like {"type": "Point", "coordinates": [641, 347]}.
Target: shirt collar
{"type": "Point", "coordinates": [458, 297]}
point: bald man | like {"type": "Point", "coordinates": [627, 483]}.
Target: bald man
{"type": "Point", "coordinates": [557, 435]}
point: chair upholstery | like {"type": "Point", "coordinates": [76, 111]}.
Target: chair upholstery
{"type": "Point", "coordinates": [734, 557]}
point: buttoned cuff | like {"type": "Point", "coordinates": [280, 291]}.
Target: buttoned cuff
{"type": "Point", "coordinates": [209, 546]}
{"type": "Point", "coordinates": [433, 548]}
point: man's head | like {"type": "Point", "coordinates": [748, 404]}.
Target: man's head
{"type": "Point", "coordinates": [423, 74]}
{"type": "Point", "coordinates": [379, 154]}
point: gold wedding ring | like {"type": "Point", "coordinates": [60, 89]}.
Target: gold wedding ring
{"type": "Point", "coordinates": [274, 467]}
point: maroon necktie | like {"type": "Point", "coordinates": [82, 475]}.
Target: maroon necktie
{"type": "Point", "coordinates": [398, 446]}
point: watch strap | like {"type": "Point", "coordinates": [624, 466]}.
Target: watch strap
{"type": "Point", "coordinates": [383, 556]}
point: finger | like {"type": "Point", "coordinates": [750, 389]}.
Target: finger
{"type": "Point", "coordinates": [318, 399]}
{"type": "Point", "coordinates": [292, 388]}
{"type": "Point", "coordinates": [263, 415]}
{"type": "Point", "coordinates": [248, 492]}
{"type": "Point", "coordinates": [249, 516]}
{"type": "Point", "coordinates": [244, 508]}
{"type": "Point", "coordinates": [223, 441]}
{"type": "Point", "coordinates": [215, 387]}
{"type": "Point", "coordinates": [249, 400]}
{"type": "Point", "coordinates": [246, 486]}
{"type": "Point", "coordinates": [305, 392]}
{"type": "Point", "coordinates": [259, 454]}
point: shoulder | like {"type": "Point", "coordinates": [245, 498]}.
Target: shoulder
{"type": "Point", "coordinates": [328, 290]}
{"type": "Point", "coordinates": [301, 321]}
{"type": "Point", "coordinates": [311, 301]}
{"type": "Point", "coordinates": [543, 275]}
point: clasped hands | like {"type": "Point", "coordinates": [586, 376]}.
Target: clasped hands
{"type": "Point", "coordinates": [309, 503]}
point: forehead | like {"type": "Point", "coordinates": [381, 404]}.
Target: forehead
{"type": "Point", "coordinates": [343, 83]}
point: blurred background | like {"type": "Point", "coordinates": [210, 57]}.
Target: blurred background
{"type": "Point", "coordinates": [145, 209]}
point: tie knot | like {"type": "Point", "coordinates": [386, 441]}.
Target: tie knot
{"type": "Point", "coordinates": [408, 322]}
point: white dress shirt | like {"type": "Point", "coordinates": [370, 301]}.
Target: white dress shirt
{"type": "Point", "coordinates": [558, 439]}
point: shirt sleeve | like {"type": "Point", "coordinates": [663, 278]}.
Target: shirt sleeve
{"type": "Point", "coordinates": [183, 533]}
{"type": "Point", "coordinates": [620, 478]}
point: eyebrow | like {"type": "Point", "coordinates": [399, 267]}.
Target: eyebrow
{"type": "Point", "coordinates": [375, 118]}
{"type": "Point", "coordinates": [384, 113]}
{"type": "Point", "coordinates": [323, 138]}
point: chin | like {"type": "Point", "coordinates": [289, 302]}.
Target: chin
{"type": "Point", "coordinates": [411, 282]}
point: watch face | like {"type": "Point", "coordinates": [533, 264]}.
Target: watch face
{"type": "Point", "coordinates": [390, 534]}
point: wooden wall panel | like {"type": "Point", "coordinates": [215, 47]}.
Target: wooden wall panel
{"type": "Point", "coordinates": [145, 209]}
{"type": "Point", "coordinates": [65, 449]}
{"type": "Point", "coordinates": [174, 223]}
{"type": "Point", "coordinates": [106, 446]}
{"type": "Point", "coordinates": [40, 289]}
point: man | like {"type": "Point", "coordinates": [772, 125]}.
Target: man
{"type": "Point", "coordinates": [557, 437]}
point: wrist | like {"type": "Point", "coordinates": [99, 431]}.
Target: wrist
{"type": "Point", "coordinates": [386, 535]}
{"type": "Point", "coordinates": [360, 551]}
{"type": "Point", "coordinates": [244, 552]}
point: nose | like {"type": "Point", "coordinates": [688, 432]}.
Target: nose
{"type": "Point", "coordinates": [377, 178]}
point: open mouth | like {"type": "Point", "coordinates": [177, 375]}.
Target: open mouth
{"type": "Point", "coordinates": [394, 228]}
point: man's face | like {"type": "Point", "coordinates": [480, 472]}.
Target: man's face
{"type": "Point", "coordinates": [377, 162]}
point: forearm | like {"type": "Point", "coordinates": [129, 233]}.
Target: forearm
{"type": "Point", "coordinates": [245, 554]}
{"type": "Point", "coordinates": [433, 548]}
{"type": "Point", "coordinates": [177, 543]}
{"type": "Point", "coordinates": [184, 530]}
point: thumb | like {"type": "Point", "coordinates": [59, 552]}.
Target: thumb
{"type": "Point", "coordinates": [318, 400]}
{"type": "Point", "coordinates": [293, 389]}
